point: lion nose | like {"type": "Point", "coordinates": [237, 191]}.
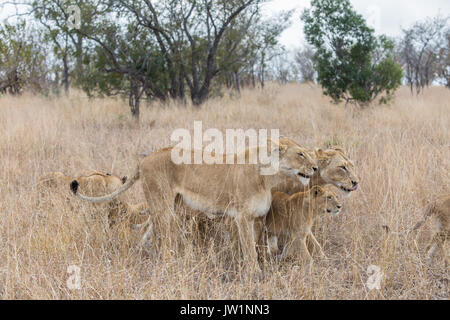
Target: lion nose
{"type": "Point", "coordinates": [315, 168]}
{"type": "Point", "coordinates": [354, 183]}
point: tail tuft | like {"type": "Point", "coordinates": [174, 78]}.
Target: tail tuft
{"type": "Point", "coordinates": [74, 186]}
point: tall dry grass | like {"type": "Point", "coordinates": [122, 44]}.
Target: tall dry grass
{"type": "Point", "coordinates": [401, 153]}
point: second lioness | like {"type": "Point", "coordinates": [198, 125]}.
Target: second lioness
{"type": "Point", "coordinates": [290, 219]}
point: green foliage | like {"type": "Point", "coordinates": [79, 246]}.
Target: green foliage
{"type": "Point", "coordinates": [121, 58]}
{"type": "Point", "coordinates": [22, 60]}
{"type": "Point", "coordinates": [352, 64]}
{"type": "Point", "coordinates": [156, 49]}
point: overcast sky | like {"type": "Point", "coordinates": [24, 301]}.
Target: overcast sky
{"type": "Point", "coordinates": [385, 16]}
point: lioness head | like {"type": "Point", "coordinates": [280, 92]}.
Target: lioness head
{"type": "Point", "coordinates": [325, 200]}
{"type": "Point", "coordinates": [296, 161]}
{"type": "Point", "coordinates": [337, 169]}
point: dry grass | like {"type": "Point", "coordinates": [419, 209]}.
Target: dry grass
{"type": "Point", "coordinates": [401, 152]}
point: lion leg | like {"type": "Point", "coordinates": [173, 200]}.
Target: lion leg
{"type": "Point", "coordinates": [272, 245]}
{"type": "Point", "coordinates": [317, 245]}
{"type": "Point", "coordinates": [298, 248]}
{"type": "Point", "coordinates": [430, 251]}
{"type": "Point", "coordinates": [150, 235]}
{"type": "Point", "coordinates": [233, 237]}
{"type": "Point", "coordinates": [437, 242]}
{"type": "Point", "coordinates": [246, 230]}
{"type": "Point", "coordinates": [146, 240]}
{"type": "Point", "coordinates": [36, 200]}
{"type": "Point", "coordinates": [163, 224]}
{"type": "Point", "coordinates": [306, 256]}
{"type": "Point", "coordinates": [259, 234]}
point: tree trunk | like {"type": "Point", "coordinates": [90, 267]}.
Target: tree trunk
{"type": "Point", "coordinates": [198, 98]}
{"type": "Point", "coordinates": [136, 110]}
{"type": "Point", "coordinates": [253, 78]}
{"type": "Point", "coordinates": [181, 87]}
{"type": "Point", "coordinates": [134, 102]}
{"type": "Point", "coordinates": [79, 55]}
{"type": "Point", "coordinates": [261, 77]}
{"type": "Point", "coordinates": [66, 75]}
{"type": "Point", "coordinates": [236, 82]}
{"type": "Point", "coordinates": [228, 81]}
{"type": "Point", "coordinates": [262, 80]}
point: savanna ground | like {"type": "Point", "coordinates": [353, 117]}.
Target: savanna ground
{"type": "Point", "coordinates": [401, 153]}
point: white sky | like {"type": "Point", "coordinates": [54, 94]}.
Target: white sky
{"type": "Point", "coordinates": [385, 16]}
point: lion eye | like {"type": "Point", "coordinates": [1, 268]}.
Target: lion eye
{"type": "Point", "coordinates": [301, 154]}
{"type": "Point", "coordinates": [330, 198]}
{"type": "Point", "coordinates": [344, 168]}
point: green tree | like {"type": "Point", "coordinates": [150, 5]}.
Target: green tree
{"type": "Point", "coordinates": [123, 60]}
{"type": "Point", "coordinates": [251, 42]}
{"type": "Point", "coordinates": [67, 44]}
{"type": "Point", "coordinates": [424, 52]}
{"type": "Point", "coordinates": [351, 63]}
{"type": "Point", "coordinates": [189, 33]}
{"type": "Point", "coordinates": [22, 59]}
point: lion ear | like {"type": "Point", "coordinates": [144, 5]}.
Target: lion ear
{"type": "Point", "coordinates": [282, 148]}
{"type": "Point", "coordinates": [319, 152]}
{"type": "Point", "coordinates": [322, 157]}
{"type": "Point", "coordinates": [339, 149]}
{"type": "Point", "coordinates": [277, 147]}
{"type": "Point", "coordinates": [316, 191]}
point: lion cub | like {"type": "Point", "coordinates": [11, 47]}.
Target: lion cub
{"type": "Point", "coordinates": [130, 214]}
{"type": "Point", "coordinates": [440, 211]}
{"type": "Point", "coordinates": [291, 218]}
{"type": "Point", "coordinates": [55, 184]}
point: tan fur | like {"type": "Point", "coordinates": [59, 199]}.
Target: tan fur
{"type": "Point", "coordinates": [237, 190]}
{"type": "Point", "coordinates": [330, 163]}
{"type": "Point", "coordinates": [131, 214]}
{"type": "Point", "coordinates": [91, 183]}
{"type": "Point", "coordinates": [291, 218]}
{"type": "Point", "coordinates": [439, 210]}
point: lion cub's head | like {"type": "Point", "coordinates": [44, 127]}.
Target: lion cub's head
{"type": "Point", "coordinates": [336, 169]}
{"type": "Point", "coordinates": [325, 200]}
{"type": "Point", "coordinates": [121, 211]}
{"type": "Point", "coordinates": [296, 161]}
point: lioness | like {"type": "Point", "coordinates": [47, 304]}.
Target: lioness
{"type": "Point", "coordinates": [236, 190]}
{"type": "Point", "coordinates": [291, 218]}
{"type": "Point", "coordinates": [334, 168]}
{"type": "Point", "coordinates": [92, 183]}
{"type": "Point", "coordinates": [440, 211]}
